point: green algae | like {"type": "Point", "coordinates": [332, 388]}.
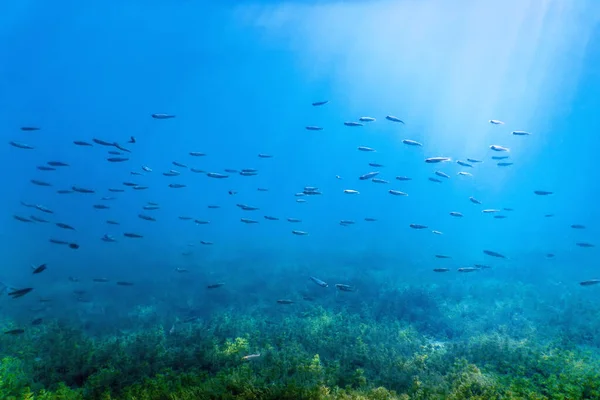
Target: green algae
{"type": "Point", "coordinates": [322, 355]}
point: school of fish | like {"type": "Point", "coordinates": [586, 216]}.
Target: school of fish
{"type": "Point", "coordinates": [34, 213]}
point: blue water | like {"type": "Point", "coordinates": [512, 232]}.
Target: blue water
{"type": "Point", "coordinates": [240, 80]}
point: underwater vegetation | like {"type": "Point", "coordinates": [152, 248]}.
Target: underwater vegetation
{"type": "Point", "coordinates": [343, 350]}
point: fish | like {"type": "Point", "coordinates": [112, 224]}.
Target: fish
{"type": "Point", "coordinates": [521, 133]}
{"type": "Point", "coordinates": [108, 238]}
{"type": "Point", "coordinates": [284, 301]}
{"type": "Point", "coordinates": [248, 221]}
{"type": "Point", "coordinates": [474, 160]}
{"type": "Point", "coordinates": [271, 218]}
{"type": "Point", "coordinates": [82, 143]}
{"type": "Point", "coordinates": [464, 164]}
{"type": "Point", "coordinates": [442, 174]}
{"type": "Point", "coordinates": [262, 155]}
{"type": "Point", "coordinates": [493, 254]}
{"type": "Point", "coordinates": [456, 214]}
{"type": "Point", "coordinates": [40, 183]}
{"type": "Point", "coordinates": [111, 222]}
{"type": "Point", "coordinates": [411, 142]}
{"type": "Point", "coordinates": [490, 210]}
{"type": "Point", "coordinates": [437, 232]}
{"type": "Point", "coordinates": [403, 178]}
{"type": "Point", "coordinates": [499, 158]}
{"type": "Point", "coordinates": [368, 175]}
{"type": "Point", "coordinates": [64, 191]}
{"type": "Point", "coordinates": [442, 256]}
{"type": "Point", "coordinates": [206, 242]}
{"type": "Point", "coordinates": [178, 164]}
{"type": "Point", "coordinates": [100, 206]}
{"type": "Point", "coordinates": [500, 216]}
{"type": "Point", "coordinates": [436, 180]}
{"type": "Point", "coordinates": [350, 123]}
{"type": "Point", "coordinates": [376, 165]}
{"type": "Point", "coordinates": [132, 235]}
{"type": "Point", "coordinates": [38, 219]}
{"type": "Point", "coordinates": [20, 145]}
{"type": "Point", "coordinates": [320, 103]}
{"type": "Point", "coordinates": [315, 192]}
{"type": "Point", "coordinates": [146, 217]}
{"type": "Point", "coordinates": [314, 128]}
{"type": "Point", "coordinates": [246, 207]}
{"type": "Point", "coordinates": [394, 119]}
{"type": "Point", "coordinates": [39, 269]}
{"type": "Point", "coordinates": [217, 175]}
{"type": "Point", "coordinates": [590, 282]}
{"type": "Point", "coordinates": [319, 282]}
{"type": "Point", "coordinates": [474, 200]}
{"type": "Point", "coordinates": [45, 168]}
{"type": "Point", "coordinates": [29, 128]}
{"type": "Point", "coordinates": [351, 191]}
{"type": "Point", "coordinates": [294, 220]}
{"type": "Point", "coordinates": [435, 160]}
{"type": "Point", "coordinates": [299, 233]}
{"type": "Point", "coordinates": [346, 222]}
{"type": "Point", "coordinates": [468, 269]}
{"type": "Point", "coordinates": [397, 192]}
{"type": "Point", "coordinates": [504, 164]}
{"type": "Point", "coordinates": [64, 226]}
{"type": "Point", "coordinates": [117, 159]}
{"type": "Point", "coordinates": [585, 244]}
{"type": "Point", "coordinates": [82, 190]}
{"type": "Point", "coordinates": [124, 283]}
{"type": "Point", "coordinates": [57, 164]}
{"type": "Point", "coordinates": [251, 356]}
{"type": "Point", "coordinates": [366, 119]}
{"type": "Point", "coordinates": [22, 219]}
{"type": "Point", "coordinates": [162, 116]}
{"type": "Point", "coordinates": [103, 142]}
{"type": "Point", "coordinates": [542, 192]}
{"type": "Point", "coordinates": [418, 226]}
{"type": "Point", "coordinates": [196, 154]}
{"type": "Point", "coordinates": [377, 180]}
{"type": "Point", "coordinates": [578, 226]}
{"type": "Point", "coordinates": [345, 288]}
{"type": "Point", "coordinates": [15, 294]}
{"type": "Point", "coordinates": [115, 190]}
{"type": "Point", "coordinates": [441, 269]}
{"type": "Point", "coordinates": [177, 185]}
{"type": "Point", "coordinates": [100, 280]}
{"type": "Point", "coordinates": [496, 122]}
{"type": "Point", "coordinates": [215, 285]}
{"type": "Point", "coordinates": [37, 321]}
{"type": "Point", "coordinates": [365, 148]}
{"type": "Point", "coordinates": [14, 332]}
{"type": "Point", "coordinates": [497, 147]}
